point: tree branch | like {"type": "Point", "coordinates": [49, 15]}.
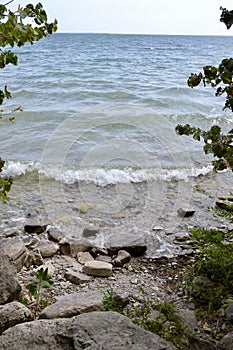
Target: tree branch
{"type": "Point", "coordinates": [9, 2]}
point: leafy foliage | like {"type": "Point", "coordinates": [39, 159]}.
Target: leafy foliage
{"type": "Point", "coordinates": [216, 143]}
{"type": "Point", "coordinates": [25, 25]}
{"type": "Point", "coordinates": [210, 279]}
{"type": "Point", "coordinates": [220, 78]}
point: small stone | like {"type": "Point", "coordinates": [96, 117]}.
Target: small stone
{"type": "Point", "coordinates": [55, 235]}
{"type": "Point", "coordinates": [229, 312]}
{"type": "Point", "coordinates": [76, 277]}
{"type": "Point", "coordinates": [83, 257]}
{"type": "Point", "coordinates": [186, 212]}
{"type": "Point", "coordinates": [48, 249]}
{"type": "Point", "coordinates": [158, 228]}
{"type": "Point", "coordinates": [104, 258]}
{"type": "Point", "coordinates": [71, 247]}
{"type": "Point", "coordinates": [98, 268]}
{"type": "Point", "coordinates": [122, 258]}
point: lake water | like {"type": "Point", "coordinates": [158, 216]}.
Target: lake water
{"type": "Point", "coordinates": [95, 143]}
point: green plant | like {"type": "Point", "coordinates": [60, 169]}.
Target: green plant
{"type": "Point", "coordinates": [40, 287]}
{"type": "Point", "coordinates": [210, 280]}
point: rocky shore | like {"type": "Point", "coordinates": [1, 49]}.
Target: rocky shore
{"type": "Point", "coordinates": [72, 315]}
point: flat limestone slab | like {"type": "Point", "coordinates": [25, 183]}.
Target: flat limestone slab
{"type": "Point", "coordinates": [98, 268]}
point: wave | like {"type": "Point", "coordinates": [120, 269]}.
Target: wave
{"type": "Point", "coordinates": [103, 176]}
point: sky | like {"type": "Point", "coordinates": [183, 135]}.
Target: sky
{"type": "Point", "coordinates": [187, 17]}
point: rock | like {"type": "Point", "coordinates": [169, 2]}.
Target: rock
{"type": "Point", "coordinates": [226, 343]}
{"type": "Point", "coordinates": [224, 204]}
{"type": "Point", "coordinates": [97, 268]}
{"type": "Point", "coordinates": [83, 257]}
{"type": "Point", "coordinates": [91, 331]}
{"type": "Point", "coordinates": [104, 258]}
{"type": "Point", "coordinates": [131, 242]}
{"type": "Point", "coordinates": [229, 312]}
{"type": "Point", "coordinates": [202, 343]}
{"type": "Point", "coordinates": [96, 251]}
{"type": "Point", "coordinates": [34, 258]}
{"type": "Point", "coordinates": [90, 232]}
{"type": "Point", "coordinates": [35, 228]}
{"type": "Point", "coordinates": [71, 247]}
{"type": "Point", "coordinates": [186, 212]}
{"type": "Point", "coordinates": [76, 277]}
{"type": "Point", "coordinates": [15, 249]}
{"type": "Point", "coordinates": [55, 235]}
{"type": "Point", "coordinates": [189, 319]}
{"type": "Point", "coordinates": [12, 314]}
{"type": "Point", "coordinates": [30, 241]}
{"type": "Point", "coordinates": [48, 249]}
{"type": "Point", "coordinates": [9, 285]}
{"type": "Point", "coordinates": [74, 304]}
{"type": "Point", "coordinates": [122, 258]}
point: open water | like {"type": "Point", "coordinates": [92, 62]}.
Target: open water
{"type": "Point", "coordinates": [95, 143]}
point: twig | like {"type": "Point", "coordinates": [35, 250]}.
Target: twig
{"type": "Point", "coordinates": [8, 2]}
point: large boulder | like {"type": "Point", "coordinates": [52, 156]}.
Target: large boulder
{"type": "Point", "coordinates": [74, 304]}
{"type": "Point", "coordinates": [9, 285]}
{"type": "Point", "coordinates": [12, 314]}
{"type": "Point", "coordinates": [91, 331]}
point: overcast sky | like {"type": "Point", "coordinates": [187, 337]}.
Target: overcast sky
{"type": "Point", "coordinates": [138, 16]}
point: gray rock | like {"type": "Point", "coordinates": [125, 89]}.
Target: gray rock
{"type": "Point", "coordinates": [226, 343]}
{"type": "Point", "coordinates": [34, 258]}
{"type": "Point", "coordinates": [189, 319]}
{"type": "Point", "coordinates": [12, 314]}
{"type": "Point", "coordinates": [186, 212]}
{"type": "Point", "coordinates": [122, 258]}
{"type": "Point", "coordinates": [104, 258]}
{"type": "Point", "coordinates": [202, 343]}
{"type": "Point", "coordinates": [15, 249]}
{"type": "Point", "coordinates": [229, 312]}
{"type": "Point", "coordinates": [90, 232]}
{"type": "Point", "coordinates": [132, 242]}
{"type": "Point", "coordinates": [71, 247]}
{"type": "Point", "coordinates": [74, 304]}
{"type": "Point", "coordinates": [84, 257]}
{"type": "Point", "coordinates": [76, 277]}
{"type": "Point", "coordinates": [9, 285]}
{"type": "Point", "coordinates": [97, 268]}
{"type": "Point", "coordinates": [91, 331]}
{"type": "Point", "coordinates": [48, 249]}
{"type": "Point", "coordinates": [55, 235]}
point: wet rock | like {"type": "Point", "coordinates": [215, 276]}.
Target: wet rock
{"type": "Point", "coordinates": [15, 249]}
{"type": "Point", "coordinates": [132, 242]}
{"type": "Point", "coordinates": [83, 257]}
{"type": "Point", "coordinates": [71, 247]}
{"type": "Point", "coordinates": [90, 232]}
{"type": "Point", "coordinates": [226, 343]}
{"type": "Point", "coordinates": [48, 249]}
{"type": "Point", "coordinates": [186, 212]}
{"type": "Point", "coordinates": [229, 312]}
{"type": "Point", "coordinates": [12, 314]}
{"type": "Point", "coordinates": [225, 204]}
{"type": "Point", "coordinates": [55, 235]}
{"type": "Point", "coordinates": [9, 285]}
{"type": "Point", "coordinates": [74, 304]}
{"type": "Point", "coordinates": [76, 277]}
{"type": "Point", "coordinates": [122, 258]}
{"type": "Point", "coordinates": [94, 330]}
{"type": "Point", "coordinates": [97, 268]}
{"type": "Point", "coordinates": [34, 228]}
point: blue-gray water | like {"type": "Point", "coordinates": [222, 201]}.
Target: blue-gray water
{"type": "Point", "coordinates": [100, 110]}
